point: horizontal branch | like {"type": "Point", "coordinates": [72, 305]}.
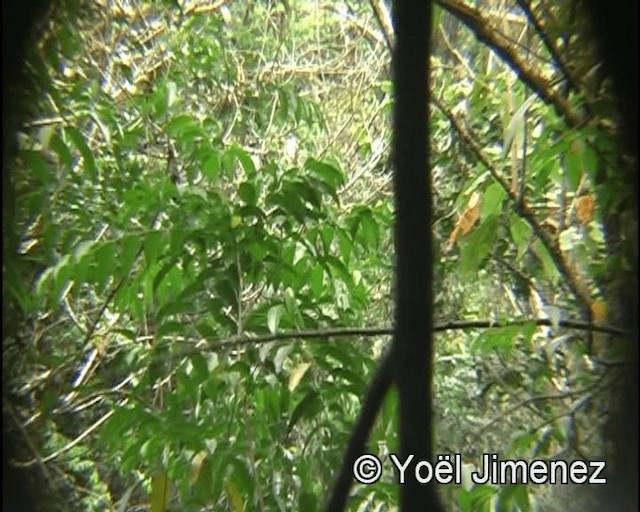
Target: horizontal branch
{"type": "Point", "coordinates": [244, 340]}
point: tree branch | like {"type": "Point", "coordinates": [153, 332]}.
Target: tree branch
{"type": "Point", "coordinates": [378, 389]}
{"type": "Point", "coordinates": [486, 33]}
{"type": "Point", "coordinates": [577, 286]}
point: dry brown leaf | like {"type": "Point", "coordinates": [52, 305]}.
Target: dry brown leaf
{"type": "Point", "coordinates": [598, 312]}
{"type": "Point", "coordinates": [584, 209]}
{"type": "Point", "coordinates": [598, 317]}
{"type": "Point", "coordinates": [468, 218]}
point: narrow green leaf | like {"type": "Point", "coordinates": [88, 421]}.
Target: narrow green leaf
{"type": "Point", "coordinates": [38, 166]}
{"type": "Point", "coordinates": [152, 244]}
{"type": "Point", "coordinates": [62, 150]}
{"type": "Point", "coordinates": [87, 155]}
{"type": "Point", "coordinates": [317, 280]}
{"type": "Point", "coordinates": [521, 233]}
{"type": "Point", "coordinates": [549, 266]}
{"type": "Point", "coordinates": [131, 245]}
{"type": "Point", "coordinates": [308, 407]}
{"type": "Point", "coordinates": [515, 125]}
{"type": "Point", "coordinates": [105, 262]}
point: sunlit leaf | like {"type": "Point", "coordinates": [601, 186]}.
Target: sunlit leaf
{"type": "Point", "coordinates": [296, 375]}
{"type": "Point", "coordinates": [273, 317]}
{"type": "Point", "coordinates": [516, 125]}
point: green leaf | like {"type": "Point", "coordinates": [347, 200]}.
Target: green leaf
{"type": "Point", "coordinates": [82, 249]}
{"type": "Point", "coordinates": [346, 246]}
{"type": "Point", "coordinates": [162, 273]}
{"type": "Point", "coordinates": [181, 124]}
{"type": "Point", "coordinates": [127, 333]}
{"type": "Point", "coordinates": [62, 150]}
{"type": "Point", "coordinates": [173, 308]}
{"type": "Point", "coordinates": [170, 327]}
{"type": "Point", "coordinates": [480, 498]}
{"type": "Point", "coordinates": [177, 240]}
{"type": "Point", "coordinates": [152, 244]}
{"type": "Point", "coordinates": [549, 266]}
{"type": "Point", "coordinates": [527, 331]}
{"type": "Point", "coordinates": [492, 200]}
{"type": "Point", "coordinates": [511, 495]}
{"type": "Point", "coordinates": [308, 407]}
{"type": "Point", "coordinates": [283, 98]}
{"type": "Point", "coordinates": [236, 153]}
{"type": "Point", "coordinates": [82, 257]}
{"type": "Point", "coordinates": [516, 125]}
{"type": "Point", "coordinates": [105, 262]}
{"type": "Point", "coordinates": [248, 193]}
{"type": "Point", "coordinates": [369, 230]}
{"type": "Point", "coordinates": [206, 330]}
{"type": "Point", "coordinates": [89, 163]}
{"type": "Point", "coordinates": [337, 269]}
{"type": "Point", "coordinates": [317, 280]}
{"type": "Point", "coordinates": [476, 246]}
{"type": "Point", "coordinates": [200, 370]}
{"type": "Point", "coordinates": [521, 233]}
{"type": "Point", "coordinates": [574, 164]}
{"type": "Point", "coordinates": [130, 248]}
{"type": "Point", "coordinates": [38, 166]}
{"type": "Point", "coordinates": [61, 277]}
{"type": "Point", "coordinates": [304, 190]}
{"type": "Point", "coordinates": [307, 501]}
{"type": "Point", "coordinates": [501, 340]}
{"type": "Point", "coordinates": [273, 317]}
{"type": "Point", "coordinates": [328, 173]}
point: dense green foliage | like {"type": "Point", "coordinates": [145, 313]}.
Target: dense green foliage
{"type": "Point", "coordinates": [202, 194]}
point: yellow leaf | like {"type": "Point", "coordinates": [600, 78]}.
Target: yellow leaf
{"type": "Point", "coordinates": [160, 492]}
{"type": "Point", "coordinates": [598, 312]}
{"type": "Point", "coordinates": [598, 317]}
{"type": "Point", "coordinates": [236, 220]}
{"type": "Point", "coordinates": [196, 466]}
{"type": "Point", "coordinates": [297, 374]}
{"type": "Point", "coordinates": [234, 497]}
